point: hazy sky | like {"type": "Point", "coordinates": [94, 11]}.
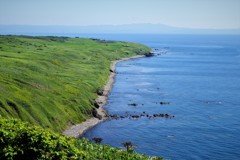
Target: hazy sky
{"type": "Point", "coordinates": [180, 13]}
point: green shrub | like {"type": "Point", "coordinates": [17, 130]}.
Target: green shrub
{"type": "Point", "coordinates": [19, 140]}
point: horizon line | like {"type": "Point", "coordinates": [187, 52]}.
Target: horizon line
{"type": "Point", "coordinates": [116, 25]}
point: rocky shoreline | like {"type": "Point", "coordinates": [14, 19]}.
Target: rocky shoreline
{"type": "Point", "coordinates": [99, 113]}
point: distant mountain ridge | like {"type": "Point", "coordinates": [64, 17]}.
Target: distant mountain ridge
{"type": "Point", "coordinates": [111, 29]}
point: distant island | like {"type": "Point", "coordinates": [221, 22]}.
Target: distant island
{"type": "Point", "coordinates": [110, 29]}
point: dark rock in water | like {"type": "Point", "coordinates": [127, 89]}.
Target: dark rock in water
{"type": "Point", "coordinates": [135, 104]}
{"type": "Point", "coordinates": [149, 54]}
{"type": "Point", "coordinates": [135, 116]}
{"type": "Point", "coordinates": [97, 140]}
{"type": "Point", "coordinates": [214, 102]}
{"type": "Point", "coordinates": [163, 115]}
{"type": "Point", "coordinates": [114, 116]}
{"type": "Point", "coordinates": [164, 102]}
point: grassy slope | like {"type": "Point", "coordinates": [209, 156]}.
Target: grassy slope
{"type": "Point", "coordinates": [50, 81]}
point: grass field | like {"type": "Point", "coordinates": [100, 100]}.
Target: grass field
{"type": "Point", "coordinates": [53, 81]}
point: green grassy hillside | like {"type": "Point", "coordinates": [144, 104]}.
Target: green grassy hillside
{"type": "Point", "coordinates": [53, 81]}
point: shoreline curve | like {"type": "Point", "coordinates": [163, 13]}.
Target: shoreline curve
{"type": "Point", "coordinates": [79, 129]}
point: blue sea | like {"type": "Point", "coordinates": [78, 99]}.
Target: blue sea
{"type": "Point", "coordinates": [199, 75]}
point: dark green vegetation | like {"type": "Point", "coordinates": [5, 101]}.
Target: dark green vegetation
{"type": "Point", "coordinates": [18, 141]}
{"type": "Point", "coordinates": [53, 81]}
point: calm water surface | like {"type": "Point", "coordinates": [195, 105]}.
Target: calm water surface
{"type": "Point", "coordinates": [199, 76]}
